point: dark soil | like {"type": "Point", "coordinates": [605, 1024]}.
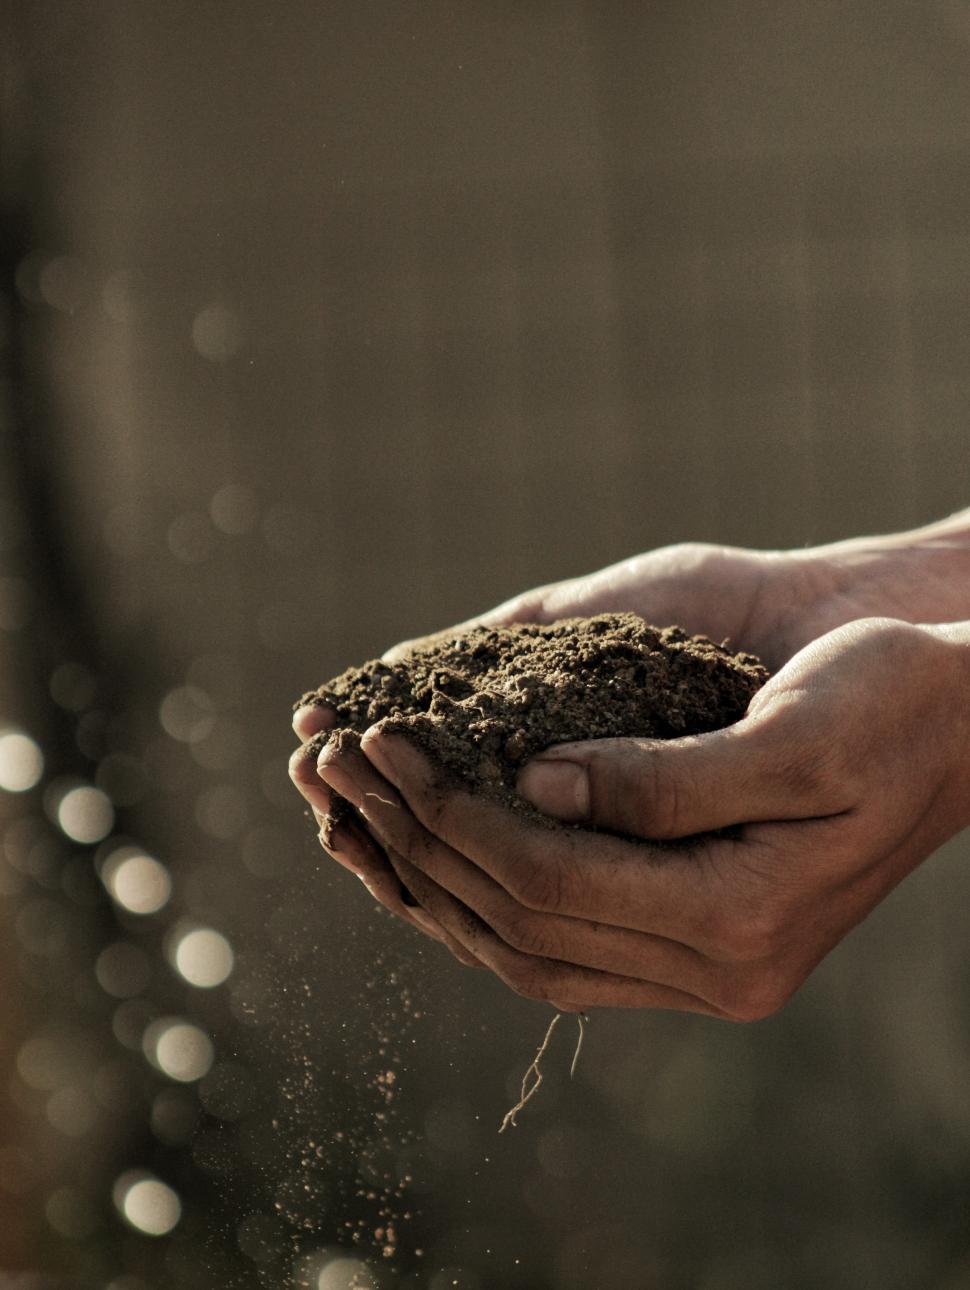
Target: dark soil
{"type": "Point", "coordinates": [483, 702]}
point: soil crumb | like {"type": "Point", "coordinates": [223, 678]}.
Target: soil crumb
{"type": "Point", "coordinates": [482, 702]}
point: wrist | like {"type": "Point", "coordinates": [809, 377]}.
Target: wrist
{"type": "Point", "coordinates": [955, 640]}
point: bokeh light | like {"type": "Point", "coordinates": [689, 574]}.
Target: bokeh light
{"type": "Point", "coordinates": [85, 814]}
{"type": "Point", "coordinates": [70, 1213]}
{"type": "Point", "coordinates": [136, 881]}
{"type": "Point", "coordinates": [260, 1237]}
{"type": "Point", "coordinates": [222, 747]}
{"type": "Point", "coordinates": [46, 1061]}
{"type": "Point", "coordinates": [21, 761]}
{"type": "Point", "coordinates": [27, 277]}
{"type": "Point", "coordinates": [174, 1116]}
{"type": "Point", "coordinates": [146, 1203]}
{"type": "Point", "coordinates": [123, 970]}
{"type": "Point", "coordinates": [346, 1274]}
{"type": "Point", "coordinates": [179, 1049]}
{"type": "Point", "coordinates": [72, 1111]}
{"type": "Point", "coordinates": [228, 1092]}
{"type": "Point", "coordinates": [121, 297]}
{"type": "Point", "coordinates": [42, 927]}
{"type": "Point", "coordinates": [130, 1020]}
{"type": "Point", "coordinates": [73, 686]}
{"type": "Point", "coordinates": [234, 509]}
{"type": "Point", "coordinates": [221, 811]}
{"type": "Point", "coordinates": [190, 537]}
{"type": "Point", "coordinates": [203, 957]}
{"type": "Point", "coordinates": [186, 713]}
{"type": "Point", "coordinates": [63, 283]}
{"type": "Point", "coordinates": [217, 332]}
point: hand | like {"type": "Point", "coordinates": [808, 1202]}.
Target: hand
{"type": "Point", "coordinates": [720, 591]}
{"type": "Point", "coordinates": [850, 767]}
{"type": "Point", "coordinates": [771, 602]}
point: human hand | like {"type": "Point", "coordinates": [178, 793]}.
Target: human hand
{"type": "Point", "coordinates": [725, 592]}
{"type": "Point", "coordinates": [771, 602]}
{"type": "Point", "coordinates": [849, 768]}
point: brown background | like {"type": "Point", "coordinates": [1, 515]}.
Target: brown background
{"type": "Point", "coordinates": [459, 298]}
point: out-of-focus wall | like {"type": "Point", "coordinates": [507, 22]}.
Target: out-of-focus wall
{"type": "Point", "coordinates": [339, 322]}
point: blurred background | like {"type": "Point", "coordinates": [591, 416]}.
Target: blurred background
{"type": "Point", "coordinates": [329, 322]}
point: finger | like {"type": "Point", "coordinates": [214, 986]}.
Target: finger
{"type": "Point", "coordinates": [565, 871]}
{"type": "Point", "coordinates": [346, 839]}
{"type": "Point", "coordinates": [312, 718]}
{"type": "Point", "coordinates": [369, 860]}
{"type": "Point", "coordinates": [555, 936]}
{"type": "Point", "coordinates": [757, 770]}
{"type": "Point", "coordinates": [421, 915]}
{"type": "Point", "coordinates": [303, 773]}
{"type": "Point", "coordinates": [349, 843]}
{"type": "Point", "coordinates": [353, 768]}
{"type": "Point", "coordinates": [569, 986]}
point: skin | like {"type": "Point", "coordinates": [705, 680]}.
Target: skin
{"type": "Point", "coordinates": [850, 767]}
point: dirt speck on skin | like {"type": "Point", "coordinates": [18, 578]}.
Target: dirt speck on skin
{"type": "Point", "coordinates": [482, 702]}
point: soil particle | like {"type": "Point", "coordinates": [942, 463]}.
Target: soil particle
{"type": "Point", "coordinates": [482, 702]}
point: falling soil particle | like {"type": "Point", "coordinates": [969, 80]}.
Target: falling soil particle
{"type": "Point", "coordinates": [483, 701]}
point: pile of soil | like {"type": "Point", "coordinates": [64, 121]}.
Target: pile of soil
{"type": "Point", "coordinates": [484, 701]}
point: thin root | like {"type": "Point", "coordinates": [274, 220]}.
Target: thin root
{"type": "Point", "coordinates": [581, 1018]}
{"type": "Point", "coordinates": [529, 1090]}
{"type": "Point", "coordinates": [381, 799]}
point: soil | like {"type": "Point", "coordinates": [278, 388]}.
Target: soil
{"type": "Point", "coordinates": [482, 702]}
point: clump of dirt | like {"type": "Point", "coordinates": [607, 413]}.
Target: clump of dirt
{"type": "Point", "coordinates": [483, 701]}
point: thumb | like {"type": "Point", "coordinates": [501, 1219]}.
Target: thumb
{"type": "Point", "coordinates": [673, 788]}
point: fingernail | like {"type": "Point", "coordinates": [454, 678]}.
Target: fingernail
{"type": "Point", "coordinates": [559, 788]}
{"type": "Point", "coordinates": [300, 715]}
{"type": "Point", "coordinates": [337, 779]}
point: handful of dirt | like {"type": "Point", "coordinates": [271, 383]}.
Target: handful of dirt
{"type": "Point", "coordinates": [482, 702]}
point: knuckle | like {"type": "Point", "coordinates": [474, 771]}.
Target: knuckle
{"type": "Point", "coordinates": [758, 997]}
{"type": "Point", "coordinates": [814, 771]}
{"type": "Point", "coordinates": [809, 770]}
{"type": "Point", "coordinates": [417, 846]}
{"type": "Point", "coordinates": [745, 936]}
{"type": "Point", "coordinates": [300, 765]}
{"type": "Point", "coordinates": [524, 932]}
{"type": "Point", "coordinates": [654, 803]}
{"type": "Point", "coordinates": [660, 797]}
{"type": "Point", "coordinates": [432, 809]}
{"type": "Point", "coordinates": [539, 887]}
{"type": "Point", "coordinates": [528, 978]}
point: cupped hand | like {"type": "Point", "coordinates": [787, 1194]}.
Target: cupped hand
{"type": "Point", "coordinates": [759, 600]}
{"type": "Point", "coordinates": [849, 768]}
{"type": "Point", "coordinates": [771, 602]}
